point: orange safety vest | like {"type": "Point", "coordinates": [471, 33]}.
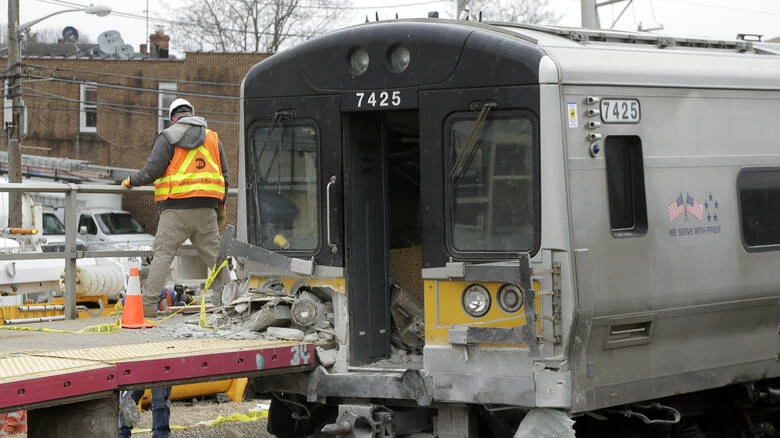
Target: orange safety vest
{"type": "Point", "coordinates": [12, 423]}
{"type": "Point", "coordinates": [193, 173]}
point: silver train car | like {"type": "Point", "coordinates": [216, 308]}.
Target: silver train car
{"type": "Point", "coordinates": [589, 222]}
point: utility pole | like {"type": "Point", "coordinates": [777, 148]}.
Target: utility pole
{"type": "Point", "coordinates": [590, 12]}
{"type": "Point", "coordinates": [461, 6]}
{"type": "Point", "coordinates": [590, 15]}
{"type": "Point", "coordinates": [14, 129]}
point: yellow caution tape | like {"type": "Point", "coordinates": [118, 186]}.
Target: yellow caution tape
{"type": "Point", "coordinates": [118, 308]}
{"type": "Point", "coordinates": [214, 272]}
{"type": "Point", "coordinates": [114, 327]}
{"type": "Point", "coordinates": [93, 329]}
{"type": "Point", "coordinates": [249, 417]}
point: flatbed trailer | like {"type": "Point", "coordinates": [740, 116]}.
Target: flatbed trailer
{"type": "Point", "coordinates": [70, 382]}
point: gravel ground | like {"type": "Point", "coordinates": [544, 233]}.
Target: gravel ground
{"type": "Point", "coordinates": [191, 413]}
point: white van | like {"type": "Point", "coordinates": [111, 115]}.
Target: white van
{"type": "Point", "coordinates": [106, 229]}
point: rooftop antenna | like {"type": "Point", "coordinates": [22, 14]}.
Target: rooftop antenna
{"type": "Point", "coordinates": [124, 51]}
{"type": "Point", "coordinates": [396, 15]}
{"type": "Point", "coordinates": [70, 34]}
{"type": "Point", "coordinates": [366, 18]}
{"type": "Point", "coordinates": [480, 16]}
{"type": "Point", "coordinates": [148, 50]}
{"type": "Point", "coordinates": [109, 41]}
{"type": "Point", "coordinates": [377, 15]}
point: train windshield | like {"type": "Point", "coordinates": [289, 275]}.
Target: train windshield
{"type": "Point", "coordinates": [491, 182]}
{"type": "Point", "coordinates": [284, 172]}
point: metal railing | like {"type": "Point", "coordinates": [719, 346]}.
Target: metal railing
{"type": "Point", "coordinates": [71, 254]}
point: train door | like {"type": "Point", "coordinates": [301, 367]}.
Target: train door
{"type": "Point", "coordinates": [381, 196]}
{"type": "Point", "coordinates": [293, 171]}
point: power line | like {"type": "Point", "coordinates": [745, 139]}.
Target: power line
{"type": "Point", "coordinates": [123, 108]}
{"type": "Point", "coordinates": [141, 89]}
{"type": "Point", "coordinates": [145, 78]}
{"type": "Point", "coordinates": [712, 6]}
{"type": "Point", "coordinates": [282, 4]}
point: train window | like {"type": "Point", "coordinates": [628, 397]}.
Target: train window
{"type": "Point", "coordinates": [626, 185]}
{"type": "Point", "coordinates": [759, 205]}
{"type": "Point", "coordinates": [492, 183]}
{"type": "Point", "coordinates": [282, 178]}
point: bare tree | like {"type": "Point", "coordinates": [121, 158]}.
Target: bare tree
{"type": "Point", "coordinates": [253, 25]}
{"type": "Point", "coordinates": [513, 11]}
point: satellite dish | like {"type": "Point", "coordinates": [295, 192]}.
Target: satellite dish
{"type": "Point", "coordinates": [109, 41]}
{"type": "Point", "coordinates": [70, 34]}
{"type": "Point", "coordinates": [124, 51]}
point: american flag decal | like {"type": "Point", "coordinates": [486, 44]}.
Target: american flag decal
{"type": "Point", "coordinates": [686, 204]}
{"type": "Point", "coordinates": [676, 208]}
{"type": "Point", "coordinates": [694, 207]}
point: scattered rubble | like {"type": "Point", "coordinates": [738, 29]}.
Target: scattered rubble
{"type": "Point", "coordinates": [269, 313]}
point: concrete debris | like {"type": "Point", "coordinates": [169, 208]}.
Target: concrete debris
{"type": "Point", "coordinates": [268, 316]}
{"type": "Point", "coordinates": [288, 334]}
{"type": "Point", "coordinates": [268, 313]}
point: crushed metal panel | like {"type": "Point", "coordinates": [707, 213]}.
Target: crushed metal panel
{"type": "Point", "coordinates": [553, 388]}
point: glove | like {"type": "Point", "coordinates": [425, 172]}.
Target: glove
{"type": "Point", "coordinates": [221, 216]}
{"type": "Point", "coordinates": [126, 183]}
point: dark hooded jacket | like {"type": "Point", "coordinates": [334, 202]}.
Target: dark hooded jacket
{"type": "Point", "coordinates": [188, 132]}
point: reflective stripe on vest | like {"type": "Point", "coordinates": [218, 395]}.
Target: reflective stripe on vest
{"type": "Point", "coordinates": [193, 173]}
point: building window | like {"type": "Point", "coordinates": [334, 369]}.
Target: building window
{"type": "Point", "coordinates": [167, 94]}
{"type": "Point", "coordinates": [626, 186]}
{"type": "Point", "coordinates": [88, 110]}
{"type": "Point", "coordinates": [759, 204]}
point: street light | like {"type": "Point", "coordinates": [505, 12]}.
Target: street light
{"type": "Point", "coordinates": [99, 10]}
{"type": "Point", "coordinates": [15, 91]}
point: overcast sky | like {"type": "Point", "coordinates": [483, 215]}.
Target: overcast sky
{"type": "Point", "coordinates": [721, 19]}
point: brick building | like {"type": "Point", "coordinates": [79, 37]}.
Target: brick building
{"type": "Point", "coordinates": [107, 109]}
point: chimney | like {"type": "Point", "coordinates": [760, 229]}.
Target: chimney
{"type": "Point", "coordinates": [143, 49]}
{"type": "Point", "coordinates": [158, 44]}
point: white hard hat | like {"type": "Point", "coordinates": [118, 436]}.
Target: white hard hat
{"type": "Point", "coordinates": [179, 103]}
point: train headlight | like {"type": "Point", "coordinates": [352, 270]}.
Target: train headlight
{"type": "Point", "coordinates": [476, 300]}
{"type": "Point", "coordinates": [510, 298]}
{"type": "Point", "coordinates": [358, 61]}
{"type": "Point", "coordinates": [399, 58]}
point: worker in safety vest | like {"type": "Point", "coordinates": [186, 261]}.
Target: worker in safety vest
{"type": "Point", "coordinates": [189, 170]}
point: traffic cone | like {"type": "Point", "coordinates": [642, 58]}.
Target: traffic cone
{"type": "Point", "coordinates": [133, 313]}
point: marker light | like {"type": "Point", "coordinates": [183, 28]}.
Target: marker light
{"type": "Point", "coordinates": [358, 61]}
{"type": "Point", "coordinates": [476, 300]}
{"type": "Point", "coordinates": [510, 298]}
{"type": "Point", "coordinates": [399, 58]}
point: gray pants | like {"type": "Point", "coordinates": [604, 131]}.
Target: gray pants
{"type": "Point", "coordinates": [175, 227]}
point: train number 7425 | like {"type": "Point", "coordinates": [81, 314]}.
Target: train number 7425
{"type": "Point", "coordinates": [378, 99]}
